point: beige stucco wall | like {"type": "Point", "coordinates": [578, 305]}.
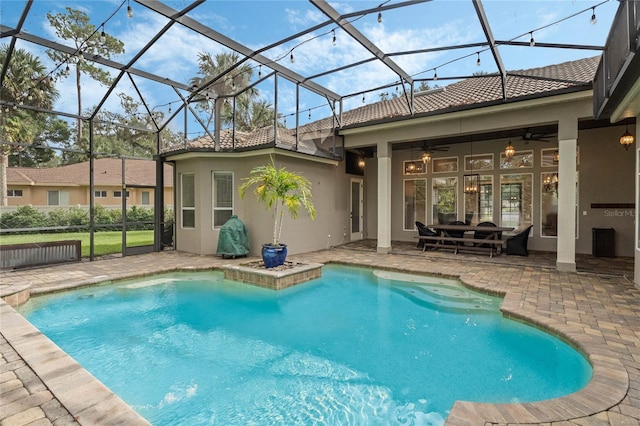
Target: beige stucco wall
{"type": "Point", "coordinates": [330, 190]}
{"type": "Point", "coordinates": [79, 195]}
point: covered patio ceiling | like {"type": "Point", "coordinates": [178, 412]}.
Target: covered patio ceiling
{"type": "Point", "coordinates": [295, 50]}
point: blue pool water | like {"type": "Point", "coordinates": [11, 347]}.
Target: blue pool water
{"type": "Point", "coordinates": [354, 347]}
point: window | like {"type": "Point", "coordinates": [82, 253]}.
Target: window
{"type": "Point", "coordinates": [478, 206]}
{"type": "Point", "coordinates": [100, 194]}
{"type": "Point", "coordinates": [415, 202]}
{"type": "Point", "coordinates": [521, 159]}
{"type": "Point", "coordinates": [516, 193]}
{"type": "Point", "coordinates": [118, 194]}
{"type": "Point", "coordinates": [478, 162]}
{"type": "Point", "coordinates": [15, 193]}
{"type": "Point", "coordinates": [414, 167]}
{"type": "Point", "coordinates": [549, 204]}
{"type": "Point", "coordinates": [445, 198]}
{"type": "Point", "coordinates": [222, 197]}
{"type": "Point", "coordinates": [53, 198]}
{"type": "Point", "coordinates": [445, 165]}
{"type": "Point", "coordinates": [145, 198]}
{"type": "Point", "coordinates": [188, 200]}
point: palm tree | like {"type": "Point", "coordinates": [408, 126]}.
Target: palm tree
{"type": "Point", "coordinates": [279, 189]}
{"type": "Point", "coordinates": [26, 83]}
{"type": "Point", "coordinates": [250, 112]}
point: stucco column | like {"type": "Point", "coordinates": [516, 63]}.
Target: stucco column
{"type": "Point", "coordinates": [384, 197]}
{"type": "Point", "coordinates": [568, 142]}
{"type": "Point", "coordinates": [636, 263]}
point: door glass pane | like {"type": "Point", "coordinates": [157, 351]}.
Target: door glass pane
{"type": "Point", "coordinates": [516, 199]}
{"type": "Point", "coordinates": [445, 200]}
{"type": "Point", "coordinates": [355, 207]}
{"type": "Point", "coordinates": [478, 206]}
{"type": "Point", "coordinates": [549, 204]}
{"type": "Point", "coordinates": [415, 202]}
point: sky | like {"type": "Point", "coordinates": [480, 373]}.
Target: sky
{"type": "Point", "coordinates": [257, 24]}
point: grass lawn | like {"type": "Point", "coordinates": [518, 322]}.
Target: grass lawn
{"type": "Point", "coordinates": [105, 242]}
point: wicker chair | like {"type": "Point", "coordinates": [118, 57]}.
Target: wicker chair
{"type": "Point", "coordinates": [517, 244]}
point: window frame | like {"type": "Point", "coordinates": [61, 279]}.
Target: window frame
{"type": "Point", "coordinates": [14, 193]}
{"type": "Point", "coordinates": [412, 226]}
{"type": "Point", "coordinates": [215, 209]}
{"type": "Point", "coordinates": [189, 208]}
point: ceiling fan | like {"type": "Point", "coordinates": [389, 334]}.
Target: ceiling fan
{"type": "Point", "coordinates": [538, 137]}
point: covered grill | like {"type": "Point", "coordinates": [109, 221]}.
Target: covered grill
{"type": "Point", "coordinates": [233, 240]}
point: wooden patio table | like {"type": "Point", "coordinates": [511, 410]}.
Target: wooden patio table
{"type": "Point", "coordinates": [491, 243]}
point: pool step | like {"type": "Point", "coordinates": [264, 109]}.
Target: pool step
{"type": "Point", "coordinates": [440, 293]}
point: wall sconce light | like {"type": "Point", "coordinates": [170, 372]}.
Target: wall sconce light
{"type": "Point", "coordinates": [626, 139]}
{"type": "Point", "coordinates": [509, 151]}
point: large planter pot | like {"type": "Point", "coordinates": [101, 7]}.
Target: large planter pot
{"type": "Point", "coordinates": [273, 256]}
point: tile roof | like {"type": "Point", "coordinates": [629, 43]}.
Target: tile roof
{"type": "Point", "coordinates": [108, 171]}
{"type": "Point", "coordinates": [473, 92]}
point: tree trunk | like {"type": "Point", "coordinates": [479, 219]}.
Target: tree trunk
{"type": "Point", "coordinates": [4, 162]}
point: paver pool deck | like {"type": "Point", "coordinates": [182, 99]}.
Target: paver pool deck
{"type": "Point", "coordinates": [597, 309]}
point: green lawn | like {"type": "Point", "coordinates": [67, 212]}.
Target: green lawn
{"type": "Point", "coordinates": [105, 242]}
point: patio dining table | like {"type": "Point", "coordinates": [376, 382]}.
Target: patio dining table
{"type": "Point", "coordinates": [449, 238]}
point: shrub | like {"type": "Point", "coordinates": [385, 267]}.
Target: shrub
{"type": "Point", "coordinates": [23, 217]}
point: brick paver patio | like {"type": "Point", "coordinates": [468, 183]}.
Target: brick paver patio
{"type": "Point", "coordinates": [597, 309]}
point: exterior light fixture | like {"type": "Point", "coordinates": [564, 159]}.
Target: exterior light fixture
{"type": "Point", "coordinates": [426, 157]}
{"type": "Point", "coordinates": [509, 151]}
{"type": "Point", "coordinates": [103, 36]}
{"type": "Point", "coordinates": [627, 139]}
{"type": "Point", "coordinates": [532, 42]}
{"type": "Point", "coordinates": [593, 16]}
{"type": "Point", "coordinates": [67, 70]}
{"type": "Point", "coordinates": [129, 10]}
{"type": "Point", "coordinates": [363, 98]}
{"type": "Point", "coordinates": [478, 61]}
{"type": "Point", "coordinates": [291, 58]}
{"type": "Point", "coordinates": [471, 183]}
{"type": "Point", "coordinates": [260, 71]}
{"type": "Point", "coordinates": [361, 163]}
{"type": "Point", "coordinates": [379, 17]}
{"type": "Point", "coordinates": [333, 41]}
{"type": "Point", "coordinates": [435, 74]}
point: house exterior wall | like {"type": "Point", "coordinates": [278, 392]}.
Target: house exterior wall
{"type": "Point", "coordinates": [330, 191]}
{"type": "Point", "coordinates": [79, 195]}
{"type": "Point", "coordinates": [605, 169]}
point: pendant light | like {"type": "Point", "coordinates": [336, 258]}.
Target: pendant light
{"type": "Point", "coordinates": [627, 138]}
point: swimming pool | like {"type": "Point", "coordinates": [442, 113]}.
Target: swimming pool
{"type": "Point", "coordinates": [355, 347]}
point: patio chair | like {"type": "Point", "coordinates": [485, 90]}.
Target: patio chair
{"type": "Point", "coordinates": [423, 231]}
{"type": "Point", "coordinates": [480, 235]}
{"type": "Point", "coordinates": [456, 234]}
{"type": "Point", "coordinates": [517, 244]}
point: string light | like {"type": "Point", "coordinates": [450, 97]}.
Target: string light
{"type": "Point", "coordinates": [67, 70]}
{"type": "Point", "coordinates": [435, 74]}
{"type": "Point", "coordinates": [334, 37]}
{"type": "Point", "coordinates": [291, 58]}
{"type": "Point", "coordinates": [532, 42]}
{"type": "Point", "coordinates": [129, 10]}
{"type": "Point", "coordinates": [363, 98]}
{"type": "Point", "coordinates": [478, 61]}
{"type": "Point", "coordinates": [103, 36]}
{"type": "Point", "coordinates": [260, 71]}
{"type": "Point", "coordinates": [309, 117]}
{"type": "Point", "coordinates": [379, 17]}
{"type": "Point", "coordinates": [80, 56]}
{"type": "Point", "coordinates": [593, 16]}
{"type": "Point", "coordinates": [169, 107]}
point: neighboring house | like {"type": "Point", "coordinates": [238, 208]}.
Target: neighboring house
{"type": "Point", "coordinates": [69, 185]}
{"type": "Point", "coordinates": [547, 116]}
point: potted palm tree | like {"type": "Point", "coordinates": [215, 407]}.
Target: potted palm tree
{"type": "Point", "coordinates": [279, 190]}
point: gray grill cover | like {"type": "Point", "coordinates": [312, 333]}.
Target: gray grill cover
{"type": "Point", "coordinates": [233, 239]}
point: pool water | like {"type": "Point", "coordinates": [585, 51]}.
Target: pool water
{"type": "Point", "coordinates": [356, 347]}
